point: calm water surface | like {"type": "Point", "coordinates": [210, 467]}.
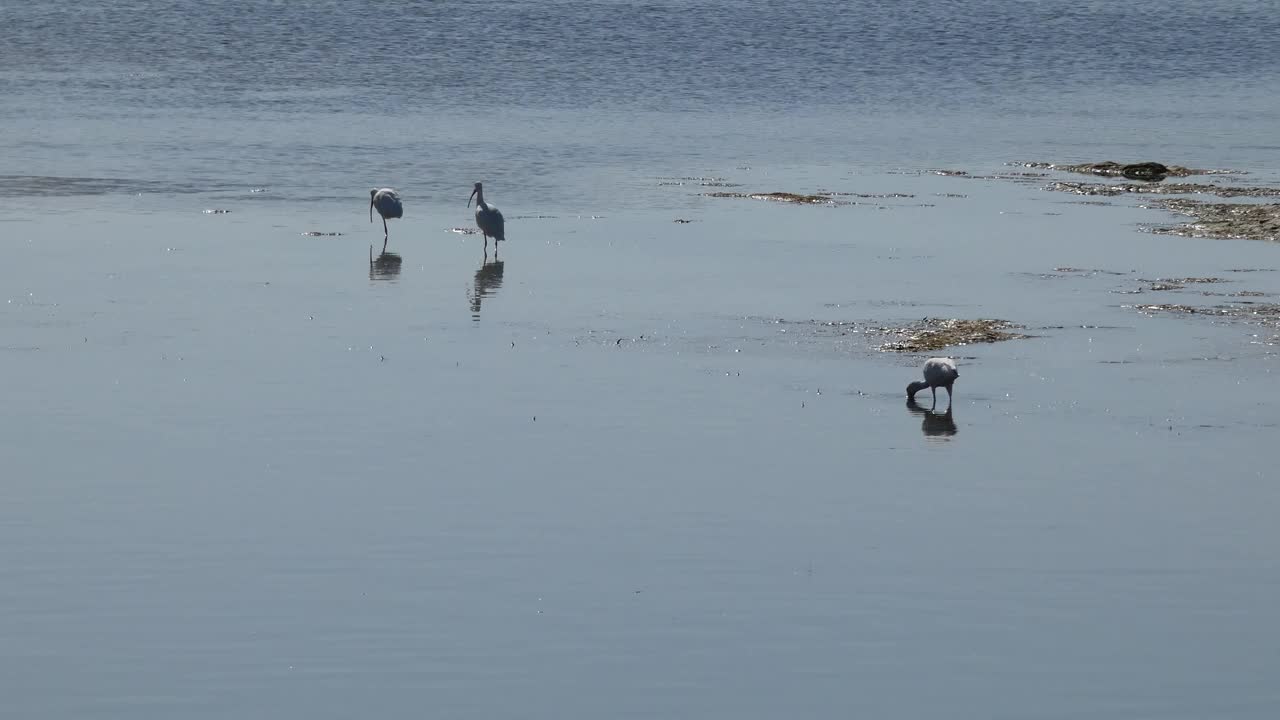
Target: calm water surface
{"type": "Point", "coordinates": [625, 470]}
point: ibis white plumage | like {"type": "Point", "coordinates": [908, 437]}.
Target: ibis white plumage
{"type": "Point", "coordinates": [488, 218]}
{"type": "Point", "coordinates": [387, 202]}
{"type": "Point", "coordinates": [938, 372]}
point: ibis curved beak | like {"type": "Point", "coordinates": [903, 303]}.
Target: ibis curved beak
{"type": "Point", "coordinates": [370, 208]}
{"type": "Point", "coordinates": [473, 194]}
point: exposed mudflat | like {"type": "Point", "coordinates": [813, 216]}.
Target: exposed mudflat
{"type": "Point", "coordinates": [784, 197]}
{"type": "Point", "coordinates": [1014, 176]}
{"type": "Point", "coordinates": [1164, 284]}
{"type": "Point", "coordinates": [1242, 312]}
{"type": "Point", "coordinates": [698, 181]}
{"type": "Point", "coordinates": [1228, 191]}
{"type": "Point", "coordinates": [1245, 221]}
{"type": "Point", "coordinates": [826, 198]}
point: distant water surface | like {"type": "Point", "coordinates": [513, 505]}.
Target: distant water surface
{"type": "Point", "coordinates": [313, 98]}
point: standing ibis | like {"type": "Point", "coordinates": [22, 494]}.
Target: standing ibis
{"type": "Point", "coordinates": [488, 218]}
{"type": "Point", "coordinates": [387, 201]}
{"type": "Point", "coordinates": [938, 372]}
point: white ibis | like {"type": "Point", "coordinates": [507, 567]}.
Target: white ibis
{"type": "Point", "coordinates": [488, 218]}
{"type": "Point", "coordinates": [938, 372]}
{"type": "Point", "coordinates": [387, 201]}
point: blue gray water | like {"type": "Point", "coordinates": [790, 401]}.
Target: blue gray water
{"type": "Point", "coordinates": [626, 472]}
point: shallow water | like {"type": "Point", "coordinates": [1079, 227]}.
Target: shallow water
{"type": "Point", "coordinates": [632, 473]}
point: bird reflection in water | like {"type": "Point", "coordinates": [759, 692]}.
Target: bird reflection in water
{"type": "Point", "coordinates": [487, 281]}
{"type": "Point", "coordinates": [384, 267]}
{"type": "Point", "coordinates": [936, 424]}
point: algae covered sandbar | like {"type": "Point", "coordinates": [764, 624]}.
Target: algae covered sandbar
{"type": "Point", "coordinates": [930, 334]}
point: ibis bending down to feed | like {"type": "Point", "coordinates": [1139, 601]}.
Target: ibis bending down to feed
{"type": "Point", "coordinates": [938, 372]}
{"type": "Point", "coordinates": [387, 201]}
{"type": "Point", "coordinates": [488, 218]}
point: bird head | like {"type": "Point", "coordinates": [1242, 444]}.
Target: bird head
{"type": "Point", "coordinates": [372, 193]}
{"type": "Point", "coordinates": [477, 190]}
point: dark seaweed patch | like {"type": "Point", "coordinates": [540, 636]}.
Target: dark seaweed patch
{"type": "Point", "coordinates": [1153, 171]}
